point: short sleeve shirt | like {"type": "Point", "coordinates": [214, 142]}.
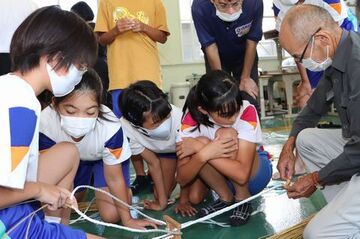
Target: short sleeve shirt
{"type": "Point", "coordinates": [132, 56]}
{"type": "Point", "coordinates": [229, 37]}
{"type": "Point", "coordinates": [247, 126]}
{"type": "Point", "coordinates": [139, 142]}
{"type": "Point", "coordinates": [19, 120]}
{"type": "Point", "coordinates": [107, 141]}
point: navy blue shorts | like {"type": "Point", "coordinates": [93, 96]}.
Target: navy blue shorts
{"type": "Point", "coordinates": [262, 177]}
{"type": "Point", "coordinates": [95, 169]}
{"type": "Point", "coordinates": [167, 155]}
{"type": "Point", "coordinates": [39, 228]}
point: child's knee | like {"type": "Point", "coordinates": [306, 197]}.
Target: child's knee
{"type": "Point", "coordinates": [226, 133]}
{"type": "Point", "coordinates": [109, 216]}
{"type": "Point", "coordinates": [70, 152]}
{"type": "Point", "coordinates": [203, 140]}
{"type": "Point", "coordinates": [195, 198]}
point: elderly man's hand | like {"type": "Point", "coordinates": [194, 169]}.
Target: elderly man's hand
{"type": "Point", "coordinates": [286, 164]}
{"type": "Point", "coordinates": [249, 86]}
{"type": "Point", "coordinates": [305, 186]}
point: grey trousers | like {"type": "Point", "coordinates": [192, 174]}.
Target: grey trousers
{"type": "Point", "coordinates": [340, 218]}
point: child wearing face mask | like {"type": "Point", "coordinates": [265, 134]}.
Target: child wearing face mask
{"type": "Point", "coordinates": [45, 55]}
{"type": "Point", "coordinates": [151, 124]}
{"type": "Point", "coordinates": [82, 119]}
{"type": "Point", "coordinates": [218, 143]}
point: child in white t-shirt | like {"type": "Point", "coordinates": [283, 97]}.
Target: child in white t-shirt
{"type": "Point", "coordinates": [217, 143]}
{"type": "Point", "coordinates": [46, 55]}
{"type": "Point", "coordinates": [80, 118]}
{"type": "Point", "coordinates": [152, 124]}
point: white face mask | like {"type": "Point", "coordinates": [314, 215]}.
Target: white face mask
{"type": "Point", "coordinates": [77, 126]}
{"type": "Point", "coordinates": [228, 17]}
{"type": "Point", "coordinates": [312, 65]}
{"type": "Point", "coordinates": [162, 132]}
{"type": "Point", "coordinates": [63, 85]}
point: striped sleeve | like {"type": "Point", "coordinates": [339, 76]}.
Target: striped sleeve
{"type": "Point", "coordinates": [116, 149]}
{"type": "Point", "coordinates": [248, 126]}
{"type": "Point", "coordinates": [335, 4]}
{"type": "Point", "coordinates": [188, 128]}
{"type": "Point", "coordinates": [18, 125]}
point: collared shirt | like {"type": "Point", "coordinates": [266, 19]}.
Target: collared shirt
{"type": "Point", "coordinates": [229, 37]}
{"type": "Point", "coordinates": [341, 86]}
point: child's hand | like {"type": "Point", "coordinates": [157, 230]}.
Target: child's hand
{"type": "Point", "coordinates": [55, 196]}
{"type": "Point", "coordinates": [154, 205]}
{"type": "Point", "coordinates": [185, 148]}
{"type": "Point", "coordinates": [138, 26]}
{"type": "Point", "coordinates": [185, 209]}
{"type": "Point", "coordinates": [220, 148]}
{"type": "Point", "coordinates": [124, 25]}
{"type": "Point", "coordinates": [139, 224]}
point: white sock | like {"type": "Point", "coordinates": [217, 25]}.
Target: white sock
{"type": "Point", "coordinates": [51, 219]}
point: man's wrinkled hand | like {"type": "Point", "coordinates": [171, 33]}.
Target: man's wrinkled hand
{"type": "Point", "coordinates": [305, 186]}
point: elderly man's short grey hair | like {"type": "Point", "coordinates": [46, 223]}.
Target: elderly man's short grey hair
{"type": "Point", "coordinates": [305, 19]}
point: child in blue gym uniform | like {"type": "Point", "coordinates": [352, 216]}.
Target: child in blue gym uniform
{"type": "Point", "coordinates": [82, 119]}
{"type": "Point", "coordinates": [218, 144]}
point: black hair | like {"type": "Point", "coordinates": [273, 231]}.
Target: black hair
{"type": "Point", "coordinates": [144, 97]}
{"type": "Point", "coordinates": [83, 10]}
{"type": "Point", "coordinates": [60, 35]}
{"type": "Point", "coordinates": [90, 81]}
{"type": "Point", "coordinates": [216, 91]}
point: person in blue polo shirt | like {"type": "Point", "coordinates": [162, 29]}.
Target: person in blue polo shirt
{"type": "Point", "coordinates": [228, 31]}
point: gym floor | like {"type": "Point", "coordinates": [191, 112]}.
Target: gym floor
{"type": "Point", "coordinates": [275, 212]}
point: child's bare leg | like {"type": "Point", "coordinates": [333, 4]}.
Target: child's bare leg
{"type": "Point", "coordinates": [106, 205]}
{"type": "Point", "coordinates": [216, 182]}
{"type": "Point", "coordinates": [214, 179]}
{"type": "Point", "coordinates": [168, 167]}
{"type": "Point", "coordinates": [58, 166]}
{"type": "Point", "coordinates": [138, 164]}
{"type": "Point", "coordinates": [197, 191]}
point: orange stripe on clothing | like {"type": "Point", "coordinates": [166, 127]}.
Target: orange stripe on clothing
{"type": "Point", "coordinates": [185, 126]}
{"type": "Point", "coordinates": [250, 115]}
{"type": "Point", "coordinates": [337, 7]}
{"type": "Point", "coordinates": [116, 152]}
{"type": "Point", "coordinates": [17, 154]}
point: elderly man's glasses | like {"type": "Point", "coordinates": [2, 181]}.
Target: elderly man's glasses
{"type": "Point", "coordinates": [307, 45]}
{"type": "Point", "coordinates": [224, 6]}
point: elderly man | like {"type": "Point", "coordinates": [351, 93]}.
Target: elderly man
{"type": "Point", "coordinates": [314, 39]}
{"type": "Point", "coordinates": [339, 12]}
{"type": "Point", "coordinates": [228, 31]}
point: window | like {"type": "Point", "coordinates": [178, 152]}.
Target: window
{"type": "Point", "coordinates": [191, 48]}
{"type": "Point", "coordinates": [67, 4]}
{"type": "Point", "coordinates": [267, 48]}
